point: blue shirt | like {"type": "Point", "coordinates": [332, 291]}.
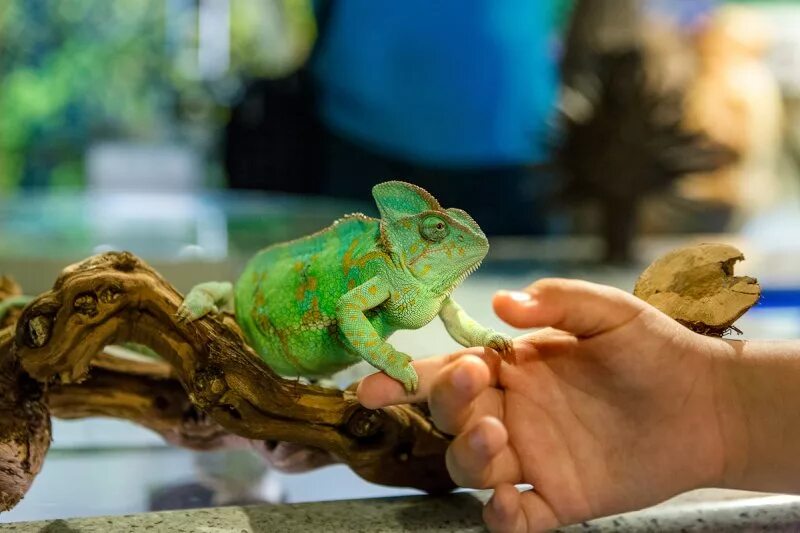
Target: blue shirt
{"type": "Point", "coordinates": [449, 83]}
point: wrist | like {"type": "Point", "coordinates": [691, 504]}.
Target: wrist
{"type": "Point", "coordinates": [758, 412]}
{"type": "Point", "coordinates": [730, 408]}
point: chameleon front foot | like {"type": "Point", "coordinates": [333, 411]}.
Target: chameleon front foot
{"type": "Point", "coordinates": [501, 343]}
{"type": "Point", "coordinates": [403, 372]}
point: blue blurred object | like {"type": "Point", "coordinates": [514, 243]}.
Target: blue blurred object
{"type": "Point", "coordinates": [687, 14]}
{"type": "Point", "coordinates": [451, 83]}
{"type": "Point", "coordinates": [780, 297]}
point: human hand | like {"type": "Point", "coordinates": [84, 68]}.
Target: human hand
{"type": "Point", "coordinates": [613, 410]}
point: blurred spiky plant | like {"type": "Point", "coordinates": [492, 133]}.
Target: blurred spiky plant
{"type": "Point", "coordinates": [75, 71]}
{"type": "Point", "coordinates": [621, 136]}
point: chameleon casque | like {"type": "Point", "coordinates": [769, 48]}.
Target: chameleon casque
{"type": "Point", "coordinates": [318, 304]}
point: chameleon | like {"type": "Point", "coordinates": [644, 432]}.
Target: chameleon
{"type": "Point", "coordinates": [316, 305]}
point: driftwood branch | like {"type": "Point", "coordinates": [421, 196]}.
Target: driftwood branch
{"type": "Point", "coordinates": [211, 390]}
{"type": "Point", "coordinates": [218, 391]}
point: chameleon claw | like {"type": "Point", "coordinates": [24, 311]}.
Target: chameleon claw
{"type": "Point", "coordinates": [509, 356]}
{"type": "Point", "coordinates": [503, 345]}
{"type": "Point", "coordinates": [184, 314]}
{"type": "Point", "coordinates": [411, 384]}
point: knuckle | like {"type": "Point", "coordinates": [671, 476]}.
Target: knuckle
{"type": "Point", "coordinates": [548, 287]}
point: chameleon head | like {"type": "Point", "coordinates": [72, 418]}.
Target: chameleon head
{"type": "Point", "coordinates": [440, 247]}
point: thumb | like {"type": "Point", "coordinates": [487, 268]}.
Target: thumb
{"type": "Point", "coordinates": [578, 307]}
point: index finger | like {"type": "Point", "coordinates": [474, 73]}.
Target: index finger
{"type": "Point", "coordinates": [379, 390]}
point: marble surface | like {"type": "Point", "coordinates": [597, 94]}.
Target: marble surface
{"type": "Point", "coordinates": [456, 512]}
{"type": "Point", "coordinates": [698, 511]}
{"type": "Point", "coordinates": [707, 510]}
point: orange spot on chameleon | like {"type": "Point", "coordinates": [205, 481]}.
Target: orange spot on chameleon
{"type": "Point", "coordinates": [363, 260]}
{"type": "Point", "coordinates": [347, 260]}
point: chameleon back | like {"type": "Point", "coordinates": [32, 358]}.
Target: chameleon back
{"type": "Point", "coordinates": [286, 297]}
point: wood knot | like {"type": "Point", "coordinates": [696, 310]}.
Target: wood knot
{"type": "Point", "coordinates": [37, 331]}
{"type": "Point", "coordinates": [122, 261]}
{"type": "Point", "coordinates": [86, 304]}
{"type": "Point", "coordinates": [209, 386]}
{"type": "Point", "coordinates": [364, 423]}
{"type": "Point", "coordinates": [110, 294]}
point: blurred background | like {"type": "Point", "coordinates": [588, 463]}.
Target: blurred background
{"type": "Point", "coordinates": [586, 137]}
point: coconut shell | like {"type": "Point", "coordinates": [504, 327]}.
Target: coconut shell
{"type": "Point", "coordinates": [695, 285]}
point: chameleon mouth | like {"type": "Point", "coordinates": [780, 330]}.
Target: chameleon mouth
{"type": "Point", "coordinates": [448, 287]}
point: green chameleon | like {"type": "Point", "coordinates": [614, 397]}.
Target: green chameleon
{"type": "Point", "coordinates": [319, 304]}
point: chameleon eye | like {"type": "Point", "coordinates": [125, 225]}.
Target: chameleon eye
{"type": "Point", "coordinates": [434, 229]}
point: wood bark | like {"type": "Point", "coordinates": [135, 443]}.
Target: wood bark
{"type": "Point", "coordinates": [24, 417]}
{"type": "Point", "coordinates": [210, 391]}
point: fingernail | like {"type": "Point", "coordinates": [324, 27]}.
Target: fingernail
{"type": "Point", "coordinates": [519, 296]}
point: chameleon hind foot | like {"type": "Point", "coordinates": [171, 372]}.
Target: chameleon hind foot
{"type": "Point", "coordinates": [206, 298]}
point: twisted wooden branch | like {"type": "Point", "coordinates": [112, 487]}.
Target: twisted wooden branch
{"type": "Point", "coordinates": [115, 297]}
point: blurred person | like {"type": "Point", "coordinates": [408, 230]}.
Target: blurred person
{"type": "Point", "coordinates": [624, 74]}
{"type": "Point", "coordinates": [453, 96]}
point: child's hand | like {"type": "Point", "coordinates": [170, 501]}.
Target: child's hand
{"type": "Point", "coordinates": [616, 411]}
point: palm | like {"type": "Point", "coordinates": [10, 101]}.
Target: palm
{"type": "Point", "coordinates": [592, 426]}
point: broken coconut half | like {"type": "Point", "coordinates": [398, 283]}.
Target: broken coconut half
{"type": "Point", "coordinates": [695, 285]}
